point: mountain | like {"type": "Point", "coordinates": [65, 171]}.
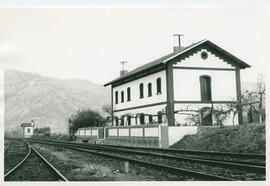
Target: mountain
{"type": "Point", "coordinates": [48, 101]}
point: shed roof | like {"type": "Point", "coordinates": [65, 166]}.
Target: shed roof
{"type": "Point", "coordinates": [27, 125]}
{"type": "Point", "coordinates": [167, 58]}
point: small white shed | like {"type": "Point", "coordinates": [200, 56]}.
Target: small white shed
{"type": "Point", "coordinates": [28, 129]}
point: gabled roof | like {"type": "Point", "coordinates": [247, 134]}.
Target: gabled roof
{"type": "Point", "coordinates": [167, 58]}
{"type": "Point", "coordinates": [27, 125]}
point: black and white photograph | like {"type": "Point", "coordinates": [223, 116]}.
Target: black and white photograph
{"type": "Point", "coordinates": [116, 92]}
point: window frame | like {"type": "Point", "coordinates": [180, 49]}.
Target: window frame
{"type": "Point", "coordinates": [142, 119]}
{"type": "Point", "coordinates": [116, 97]}
{"type": "Point", "coordinates": [158, 83]}
{"type": "Point", "coordinates": [122, 96]}
{"type": "Point", "coordinates": [149, 89]}
{"type": "Point", "coordinates": [141, 89]}
{"type": "Point", "coordinates": [206, 90]}
{"type": "Point", "coordinates": [128, 94]}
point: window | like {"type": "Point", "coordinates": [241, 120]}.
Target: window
{"type": "Point", "coordinates": [122, 96]}
{"type": "Point", "coordinates": [150, 118]}
{"type": "Point", "coordinates": [142, 122]}
{"type": "Point", "coordinates": [129, 120]}
{"type": "Point", "coordinates": [141, 90]}
{"type": "Point", "coordinates": [149, 89]}
{"type": "Point", "coordinates": [116, 121]}
{"type": "Point", "coordinates": [122, 121]}
{"type": "Point", "coordinates": [158, 85]}
{"type": "Point", "coordinates": [116, 97]}
{"type": "Point", "coordinates": [159, 115]}
{"type": "Point", "coordinates": [128, 94]}
{"type": "Point", "coordinates": [205, 82]}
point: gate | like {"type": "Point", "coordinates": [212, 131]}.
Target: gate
{"type": "Point", "coordinates": [100, 133]}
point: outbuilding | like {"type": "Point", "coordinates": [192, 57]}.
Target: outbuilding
{"type": "Point", "coordinates": [28, 129]}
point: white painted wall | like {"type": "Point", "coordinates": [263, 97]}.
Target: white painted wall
{"type": "Point", "coordinates": [136, 132]}
{"type": "Point", "coordinates": [187, 82]}
{"type": "Point", "coordinates": [151, 132]}
{"type": "Point", "coordinates": [28, 131]}
{"type": "Point", "coordinates": [176, 133]}
{"type": "Point", "coordinates": [187, 85]}
{"type": "Point", "coordinates": [123, 132]}
{"type": "Point", "coordinates": [112, 132]}
{"type": "Point", "coordinates": [135, 91]}
{"type": "Point", "coordinates": [196, 61]}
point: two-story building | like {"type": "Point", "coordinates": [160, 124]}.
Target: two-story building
{"type": "Point", "coordinates": [170, 89]}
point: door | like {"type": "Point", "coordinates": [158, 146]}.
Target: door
{"type": "Point", "coordinates": [100, 133]}
{"type": "Point", "coordinates": [206, 116]}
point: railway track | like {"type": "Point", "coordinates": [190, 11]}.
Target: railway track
{"type": "Point", "coordinates": [33, 167]}
{"type": "Point", "coordinates": [164, 161]}
{"type": "Point", "coordinates": [211, 157]}
{"type": "Point", "coordinates": [7, 145]}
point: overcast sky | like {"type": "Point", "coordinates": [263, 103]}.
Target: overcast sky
{"type": "Point", "coordinates": [89, 43]}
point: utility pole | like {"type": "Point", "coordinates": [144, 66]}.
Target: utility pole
{"type": "Point", "coordinates": [179, 39]}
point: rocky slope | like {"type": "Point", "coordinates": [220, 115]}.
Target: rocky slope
{"type": "Point", "coordinates": [48, 101]}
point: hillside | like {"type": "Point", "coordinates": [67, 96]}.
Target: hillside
{"type": "Point", "coordinates": [242, 139]}
{"type": "Point", "coordinates": [48, 101]}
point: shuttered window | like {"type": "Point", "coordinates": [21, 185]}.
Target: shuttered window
{"type": "Point", "coordinates": [141, 90]}
{"type": "Point", "coordinates": [128, 94]}
{"type": "Point", "coordinates": [122, 97]}
{"type": "Point", "coordinates": [149, 89]}
{"type": "Point", "coordinates": [116, 97]}
{"type": "Point", "coordinates": [158, 85]}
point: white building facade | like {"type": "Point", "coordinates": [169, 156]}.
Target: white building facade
{"type": "Point", "coordinates": [28, 129]}
{"type": "Point", "coordinates": [170, 90]}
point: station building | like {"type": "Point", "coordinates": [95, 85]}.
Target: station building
{"type": "Point", "coordinates": [200, 76]}
{"type": "Point", "coordinates": [154, 103]}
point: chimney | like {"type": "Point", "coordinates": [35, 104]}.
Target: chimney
{"type": "Point", "coordinates": [123, 72]}
{"type": "Point", "coordinates": [177, 49]}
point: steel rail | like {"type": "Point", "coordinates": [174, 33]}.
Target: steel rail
{"type": "Point", "coordinates": [239, 155]}
{"type": "Point", "coordinates": [145, 163]}
{"type": "Point", "coordinates": [32, 149]}
{"type": "Point", "coordinates": [7, 146]}
{"type": "Point", "coordinates": [19, 164]}
{"type": "Point", "coordinates": [213, 162]}
{"type": "Point", "coordinates": [194, 152]}
{"type": "Point", "coordinates": [57, 172]}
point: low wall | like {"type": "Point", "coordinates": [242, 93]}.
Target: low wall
{"type": "Point", "coordinates": [176, 133]}
{"type": "Point", "coordinates": [134, 135]}
{"type": "Point", "coordinates": [90, 134]}
{"type": "Point", "coordinates": [155, 135]}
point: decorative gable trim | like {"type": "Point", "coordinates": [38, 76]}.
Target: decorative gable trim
{"type": "Point", "coordinates": [211, 48]}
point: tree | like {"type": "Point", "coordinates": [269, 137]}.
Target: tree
{"type": "Point", "coordinates": [45, 131]}
{"type": "Point", "coordinates": [107, 109]}
{"type": "Point", "coordinates": [255, 98]}
{"type": "Point", "coordinates": [84, 118]}
{"type": "Point", "coordinates": [221, 113]}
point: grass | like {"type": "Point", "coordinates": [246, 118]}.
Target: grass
{"type": "Point", "coordinates": [242, 139]}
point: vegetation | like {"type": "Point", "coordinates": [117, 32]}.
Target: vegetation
{"type": "Point", "coordinates": [44, 132]}
{"type": "Point", "coordinates": [242, 139]}
{"type": "Point", "coordinates": [84, 118]}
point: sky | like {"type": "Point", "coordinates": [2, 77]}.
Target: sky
{"type": "Point", "coordinates": [90, 43]}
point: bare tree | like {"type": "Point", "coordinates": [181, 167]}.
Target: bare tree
{"type": "Point", "coordinates": [255, 97]}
